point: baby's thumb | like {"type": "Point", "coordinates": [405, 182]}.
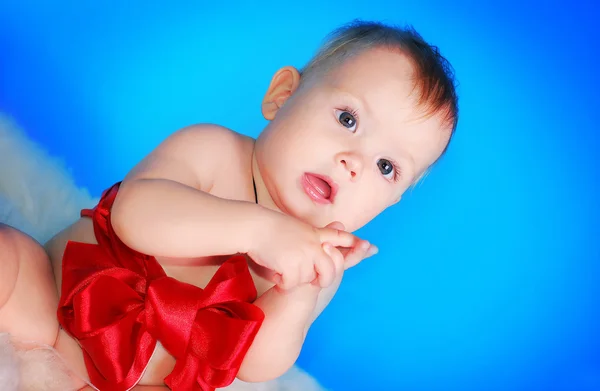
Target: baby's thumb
{"type": "Point", "coordinates": [336, 225]}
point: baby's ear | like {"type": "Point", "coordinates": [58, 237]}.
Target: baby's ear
{"type": "Point", "coordinates": [284, 83]}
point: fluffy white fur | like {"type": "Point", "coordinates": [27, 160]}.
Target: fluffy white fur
{"type": "Point", "coordinates": [28, 366]}
{"type": "Point", "coordinates": [39, 196]}
{"type": "Point", "coordinates": [9, 368]}
{"type": "Point", "coordinates": [37, 193]}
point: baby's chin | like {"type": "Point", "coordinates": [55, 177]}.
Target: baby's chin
{"type": "Point", "coordinates": [353, 223]}
{"type": "Point", "coordinates": [309, 216]}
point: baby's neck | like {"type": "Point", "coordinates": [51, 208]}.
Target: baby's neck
{"type": "Point", "coordinates": [263, 197]}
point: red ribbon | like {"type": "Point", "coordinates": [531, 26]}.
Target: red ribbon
{"type": "Point", "coordinates": [118, 303]}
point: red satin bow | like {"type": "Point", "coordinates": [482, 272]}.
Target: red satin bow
{"type": "Point", "coordinates": [118, 303]}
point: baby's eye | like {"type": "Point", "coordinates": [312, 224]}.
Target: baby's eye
{"type": "Point", "coordinates": [346, 119]}
{"type": "Point", "coordinates": [386, 167]}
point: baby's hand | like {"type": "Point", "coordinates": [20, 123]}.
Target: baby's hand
{"type": "Point", "coordinates": [299, 253]}
{"type": "Point", "coordinates": [352, 256]}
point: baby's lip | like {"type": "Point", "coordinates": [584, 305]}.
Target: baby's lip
{"type": "Point", "coordinates": [334, 186]}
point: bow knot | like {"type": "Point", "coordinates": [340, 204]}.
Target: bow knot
{"type": "Point", "coordinates": [119, 303]}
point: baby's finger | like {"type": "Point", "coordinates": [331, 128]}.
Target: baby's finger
{"type": "Point", "coordinates": [336, 225]}
{"type": "Point", "coordinates": [307, 272]}
{"type": "Point", "coordinates": [337, 256]}
{"type": "Point", "coordinates": [337, 238]}
{"type": "Point", "coordinates": [356, 254]}
{"type": "Point", "coordinates": [288, 280]}
{"type": "Point", "coordinates": [277, 279]}
{"type": "Point", "coordinates": [325, 268]}
{"type": "Point", "coordinates": [345, 250]}
{"type": "Point", "coordinates": [361, 251]}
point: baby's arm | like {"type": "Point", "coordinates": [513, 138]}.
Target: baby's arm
{"type": "Point", "coordinates": [164, 208]}
{"type": "Point", "coordinates": [159, 209]}
{"type": "Point", "coordinates": [288, 316]}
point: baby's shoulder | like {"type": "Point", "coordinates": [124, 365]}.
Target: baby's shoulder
{"type": "Point", "coordinates": [211, 137]}
{"type": "Point", "coordinates": [195, 155]}
{"type": "Point", "coordinates": [205, 146]}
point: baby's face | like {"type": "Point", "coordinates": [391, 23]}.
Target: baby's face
{"type": "Point", "coordinates": [347, 146]}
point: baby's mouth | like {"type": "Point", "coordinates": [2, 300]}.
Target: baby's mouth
{"type": "Point", "coordinates": [319, 187]}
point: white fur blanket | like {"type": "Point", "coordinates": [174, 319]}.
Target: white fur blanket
{"type": "Point", "coordinates": [40, 197]}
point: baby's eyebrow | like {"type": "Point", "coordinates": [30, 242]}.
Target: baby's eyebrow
{"type": "Point", "coordinates": [348, 95]}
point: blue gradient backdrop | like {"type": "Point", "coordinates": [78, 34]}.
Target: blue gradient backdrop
{"type": "Point", "coordinates": [488, 276]}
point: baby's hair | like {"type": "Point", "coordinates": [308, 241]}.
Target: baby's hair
{"type": "Point", "coordinates": [434, 76]}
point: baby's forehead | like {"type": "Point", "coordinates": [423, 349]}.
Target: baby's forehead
{"type": "Point", "coordinates": [377, 75]}
{"type": "Point", "coordinates": [379, 64]}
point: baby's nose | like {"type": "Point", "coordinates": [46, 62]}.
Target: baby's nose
{"type": "Point", "coordinates": [352, 164]}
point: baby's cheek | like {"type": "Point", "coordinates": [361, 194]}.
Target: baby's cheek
{"type": "Point", "coordinates": [363, 215]}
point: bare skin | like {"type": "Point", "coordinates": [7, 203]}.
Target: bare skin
{"type": "Point", "coordinates": [186, 201]}
{"type": "Point", "coordinates": [234, 182]}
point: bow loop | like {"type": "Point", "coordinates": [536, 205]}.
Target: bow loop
{"type": "Point", "coordinates": [119, 303]}
{"type": "Point", "coordinates": [213, 357]}
{"type": "Point", "coordinates": [231, 283]}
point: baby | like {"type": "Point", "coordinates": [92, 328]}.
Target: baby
{"type": "Point", "coordinates": [215, 254]}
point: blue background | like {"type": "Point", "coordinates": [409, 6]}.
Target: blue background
{"type": "Point", "coordinates": [488, 276]}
